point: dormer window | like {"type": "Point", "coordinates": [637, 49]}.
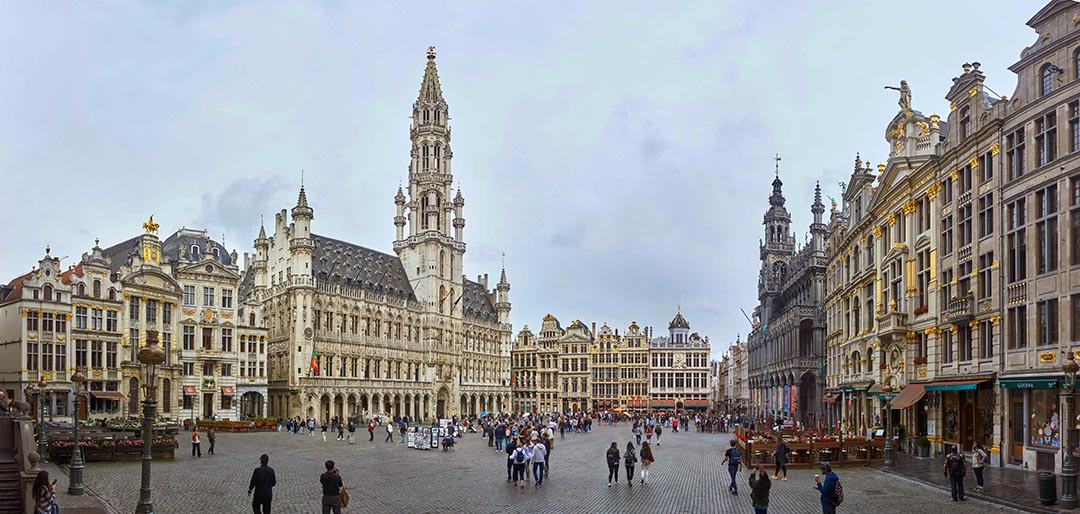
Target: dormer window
{"type": "Point", "coordinates": [1047, 76]}
{"type": "Point", "coordinates": [97, 289]}
{"type": "Point", "coordinates": [965, 123]}
{"type": "Point", "coordinates": [194, 251]}
{"type": "Point", "coordinates": [82, 290]}
{"type": "Point", "coordinates": [217, 254]}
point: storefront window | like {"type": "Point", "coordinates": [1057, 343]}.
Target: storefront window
{"type": "Point", "coordinates": [950, 402]}
{"type": "Point", "coordinates": [1045, 418]}
{"type": "Point", "coordinates": [985, 430]}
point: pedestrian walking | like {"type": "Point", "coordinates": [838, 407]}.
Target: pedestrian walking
{"type": "Point", "coordinates": [212, 437]}
{"type": "Point", "coordinates": [613, 463]}
{"type": "Point", "coordinates": [659, 430]}
{"type": "Point", "coordinates": [629, 460]}
{"type": "Point", "coordinates": [548, 438]}
{"type": "Point", "coordinates": [978, 463]}
{"type": "Point", "coordinates": [352, 433]}
{"type": "Point", "coordinates": [262, 484]}
{"type": "Point", "coordinates": [521, 457]}
{"type": "Point", "coordinates": [371, 430]}
{"type": "Point", "coordinates": [500, 433]}
{"type": "Point", "coordinates": [648, 432]}
{"type": "Point", "coordinates": [828, 489]}
{"type": "Point", "coordinates": [341, 430]}
{"type": "Point", "coordinates": [389, 433]}
{"type": "Point", "coordinates": [511, 445]}
{"type": "Point", "coordinates": [44, 491]}
{"type": "Point", "coordinates": [733, 458]}
{"type": "Point", "coordinates": [539, 462]}
{"type": "Point", "coordinates": [331, 489]}
{"type": "Point", "coordinates": [955, 468]}
{"type": "Point", "coordinates": [402, 427]}
{"type": "Point", "coordinates": [780, 456]}
{"type": "Point", "coordinates": [759, 490]}
{"type": "Point", "coordinates": [196, 442]}
{"type": "Point", "coordinates": [638, 432]}
{"type": "Point", "coordinates": [646, 460]}
{"type": "Point", "coordinates": [324, 432]}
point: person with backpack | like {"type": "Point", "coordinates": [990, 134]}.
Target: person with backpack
{"type": "Point", "coordinates": [659, 430]}
{"type": "Point", "coordinates": [978, 463]}
{"type": "Point", "coordinates": [511, 445]}
{"type": "Point", "coordinates": [759, 490]}
{"type": "Point", "coordinates": [629, 459]}
{"type": "Point", "coordinates": [832, 493]}
{"type": "Point", "coordinates": [733, 459]}
{"type": "Point", "coordinates": [520, 457]}
{"type": "Point", "coordinates": [780, 455]}
{"type": "Point", "coordinates": [613, 463]}
{"type": "Point", "coordinates": [955, 468]}
{"type": "Point", "coordinates": [638, 433]}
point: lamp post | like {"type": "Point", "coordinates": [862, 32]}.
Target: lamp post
{"type": "Point", "coordinates": [75, 483]}
{"type": "Point", "coordinates": [150, 356]}
{"type": "Point", "coordinates": [43, 442]}
{"type": "Point", "coordinates": [888, 426]}
{"type": "Point", "coordinates": [1068, 467]}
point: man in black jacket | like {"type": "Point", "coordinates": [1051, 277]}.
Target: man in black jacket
{"type": "Point", "coordinates": [511, 445]}
{"type": "Point", "coordinates": [331, 489]}
{"type": "Point", "coordinates": [262, 483]}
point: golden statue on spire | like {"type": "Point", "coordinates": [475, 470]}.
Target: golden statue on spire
{"type": "Point", "coordinates": [431, 50]}
{"type": "Point", "coordinates": [150, 226]}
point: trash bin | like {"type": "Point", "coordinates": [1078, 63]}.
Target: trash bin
{"type": "Point", "coordinates": [1047, 488]}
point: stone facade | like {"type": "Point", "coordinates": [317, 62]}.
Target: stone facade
{"type": "Point", "coordinates": [786, 346]}
{"type": "Point", "coordinates": [355, 332]}
{"type": "Point", "coordinates": [102, 310]}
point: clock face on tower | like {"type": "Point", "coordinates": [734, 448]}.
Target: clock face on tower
{"type": "Point", "coordinates": [308, 332]}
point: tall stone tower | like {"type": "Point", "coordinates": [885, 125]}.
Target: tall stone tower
{"type": "Point", "coordinates": [433, 247]}
{"type": "Point", "coordinates": [777, 249]}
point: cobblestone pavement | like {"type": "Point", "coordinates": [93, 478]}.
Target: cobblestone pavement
{"type": "Point", "coordinates": [386, 477]}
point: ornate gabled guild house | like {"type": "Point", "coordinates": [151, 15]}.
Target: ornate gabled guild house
{"type": "Point", "coordinates": [575, 343]}
{"type": "Point", "coordinates": [785, 349]}
{"type": "Point", "coordinates": [634, 368]}
{"type": "Point", "coordinates": [679, 368]}
{"type": "Point", "coordinates": [524, 372]}
{"type": "Point", "coordinates": [357, 332]}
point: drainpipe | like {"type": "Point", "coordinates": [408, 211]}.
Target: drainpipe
{"type": "Point", "coordinates": [1001, 286]}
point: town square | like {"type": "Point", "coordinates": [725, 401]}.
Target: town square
{"type": "Point", "coordinates": [570, 257]}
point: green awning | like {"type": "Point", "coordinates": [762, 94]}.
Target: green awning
{"type": "Point", "coordinates": [846, 389]}
{"type": "Point", "coordinates": [1028, 383]}
{"type": "Point", "coordinates": [956, 385]}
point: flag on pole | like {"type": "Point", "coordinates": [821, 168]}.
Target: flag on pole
{"type": "Point", "coordinates": [462, 295]}
{"type": "Point", "coordinates": [314, 361]}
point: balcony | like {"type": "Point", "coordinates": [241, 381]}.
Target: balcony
{"type": "Point", "coordinates": [892, 321]}
{"type": "Point", "coordinates": [960, 311]}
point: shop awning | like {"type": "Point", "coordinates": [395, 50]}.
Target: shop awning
{"type": "Point", "coordinates": [189, 390]}
{"type": "Point", "coordinates": [876, 388]}
{"type": "Point", "coordinates": [856, 386]}
{"type": "Point", "coordinates": [107, 395]}
{"type": "Point", "coordinates": [1028, 383]}
{"type": "Point", "coordinates": [700, 404]}
{"type": "Point", "coordinates": [830, 398]}
{"type": "Point", "coordinates": [228, 390]}
{"type": "Point", "coordinates": [909, 396]}
{"type": "Point", "coordinates": [955, 385]}
{"type": "Point", "coordinates": [663, 405]}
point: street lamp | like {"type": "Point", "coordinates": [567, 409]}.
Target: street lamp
{"type": "Point", "coordinates": [888, 426]}
{"type": "Point", "coordinates": [150, 356]}
{"type": "Point", "coordinates": [75, 484]}
{"type": "Point", "coordinates": [1068, 468]}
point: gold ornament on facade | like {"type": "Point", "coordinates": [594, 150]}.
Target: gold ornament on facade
{"type": "Point", "coordinates": [150, 226]}
{"type": "Point", "coordinates": [880, 168]}
{"type": "Point", "coordinates": [933, 190]}
{"type": "Point", "coordinates": [995, 319]}
{"type": "Point", "coordinates": [923, 127]}
{"type": "Point", "coordinates": [898, 131]}
{"type": "Point", "coordinates": [892, 218]}
{"type": "Point", "coordinates": [25, 312]}
{"type": "Point", "coordinates": [878, 230]}
{"type": "Point", "coordinates": [1047, 357]}
{"type": "Point", "coordinates": [934, 120]}
{"type": "Point", "coordinates": [973, 91]}
{"type": "Point", "coordinates": [1044, 35]}
{"type": "Point", "coordinates": [974, 162]}
{"type": "Point", "coordinates": [921, 372]}
{"type": "Point", "coordinates": [995, 148]}
{"type": "Point", "coordinates": [952, 106]}
{"type": "Point", "coordinates": [954, 174]}
{"type": "Point", "coordinates": [909, 206]}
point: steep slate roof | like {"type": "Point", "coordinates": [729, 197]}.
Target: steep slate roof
{"type": "Point", "coordinates": [13, 290]}
{"type": "Point", "coordinates": [178, 246]}
{"type": "Point", "coordinates": [247, 284]}
{"type": "Point", "coordinates": [120, 252]}
{"type": "Point", "coordinates": [355, 266]}
{"type": "Point", "coordinates": [477, 303]}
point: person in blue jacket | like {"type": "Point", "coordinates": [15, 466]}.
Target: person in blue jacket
{"type": "Point", "coordinates": [827, 488]}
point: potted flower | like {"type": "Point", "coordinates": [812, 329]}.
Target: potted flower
{"type": "Point", "coordinates": [922, 446]}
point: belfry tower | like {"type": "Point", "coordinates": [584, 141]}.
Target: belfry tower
{"type": "Point", "coordinates": [429, 222]}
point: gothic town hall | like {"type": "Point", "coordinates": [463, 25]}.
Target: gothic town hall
{"type": "Point", "coordinates": [357, 332]}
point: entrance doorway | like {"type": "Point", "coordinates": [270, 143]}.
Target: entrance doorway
{"type": "Point", "coordinates": [1016, 426]}
{"type": "Point", "coordinates": [208, 405]}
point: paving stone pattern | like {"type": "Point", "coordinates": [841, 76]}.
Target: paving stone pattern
{"type": "Point", "coordinates": [387, 477]}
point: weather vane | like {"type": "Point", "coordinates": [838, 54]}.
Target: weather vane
{"type": "Point", "coordinates": [431, 50]}
{"type": "Point", "coordinates": [777, 158]}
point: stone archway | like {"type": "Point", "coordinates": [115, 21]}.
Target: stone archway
{"type": "Point", "coordinates": [464, 404]}
{"type": "Point", "coordinates": [324, 409]}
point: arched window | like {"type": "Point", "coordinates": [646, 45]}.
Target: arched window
{"type": "Point", "coordinates": [437, 116]}
{"type": "Point", "coordinates": [1047, 75]}
{"type": "Point", "coordinates": [217, 254]}
{"type": "Point", "coordinates": [251, 319]}
{"type": "Point", "coordinates": [427, 114]}
{"type": "Point", "coordinates": [82, 290]}
{"type": "Point", "coordinates": [112, 293]}
{"type": "Point", "coordinates": [965, 122]}
{"type": "Point", "coordinates": [46, 292]}
{"type": "Point", "coordinates": [97, 289]}
{"type": "Point", "coordinates": [195, 251]}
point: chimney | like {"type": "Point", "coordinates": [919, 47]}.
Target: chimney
{"type": "Point", "coordinates": [594, 328]}
{"type": "Point", "coordinates": [247, 260]}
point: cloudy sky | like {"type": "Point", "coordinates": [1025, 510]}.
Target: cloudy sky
{"type": "Point", "coordinates": [619, 153]}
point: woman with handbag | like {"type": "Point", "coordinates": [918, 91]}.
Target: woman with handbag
{"type": "Point", "coordinates": [646, 459]}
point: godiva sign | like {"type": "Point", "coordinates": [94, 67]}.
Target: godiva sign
{"type": "Point", "coordinates": [1029, 383]}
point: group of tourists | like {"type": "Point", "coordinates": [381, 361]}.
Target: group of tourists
{"type": "Point", "coordinates": [827, 483]}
